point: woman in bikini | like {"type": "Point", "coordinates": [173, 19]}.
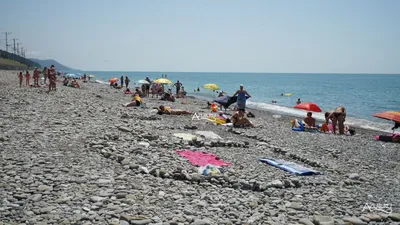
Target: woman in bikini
{"type": "Point", "coordinates": [338, 116]}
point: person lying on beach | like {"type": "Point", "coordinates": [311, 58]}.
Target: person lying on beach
{"type": "Point", "coordinates": [309, 121]}
{"type": "Point", "coordinates": [221, 115]}
{"type": "Point", "coordinates": [136, 101]}
{"type": "Point", "coordinates": [338, 116]}
{"type": "Point", "coordinates": [128, 91]}
{"type": "Point", "coordinates": [167, 110]}
{"type": "Point", "coordinates": [75, 84]}
{"type": "Point", "coordinates": [239, 120]}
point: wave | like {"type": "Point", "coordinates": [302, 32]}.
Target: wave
{"type": "Point", "coordinates": [361, 123]}
{"type": "Point", "coordinates": [102, 82]}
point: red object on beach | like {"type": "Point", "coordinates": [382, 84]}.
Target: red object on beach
{"type": "Point", "coordinates": [308, 106]}
{"type": "Point", "coordinates": [201, 158]}
{"type": "Point", "coordinates": [389, 115]}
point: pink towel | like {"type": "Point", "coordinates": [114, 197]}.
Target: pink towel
{"type": "Point", "coordinates": [201, 158]}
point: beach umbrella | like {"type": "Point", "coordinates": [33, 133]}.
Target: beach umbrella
{"type": "Point", "coordinates": [211, 87]}
{"type": "Point", "coordinates": [389, 115]}
{"type": "Point", "coordinates": [71, 75]}
{"type": "Point", "coordinates": [308, 106]}
{"type": "Point", "coordinates": [142, 82]}
{"type": "Point", "coordinates": [113, 80]}
{"type": "Point", "coordinates": [91, 76]}
{"type": "Point", "coordinates": [162, 81]}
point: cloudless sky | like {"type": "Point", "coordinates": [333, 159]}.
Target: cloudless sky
{"type": "Point", "coordinates": [333, 36]}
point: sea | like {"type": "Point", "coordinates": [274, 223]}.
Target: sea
{"type": "Point", "coordinates": [361, 94]}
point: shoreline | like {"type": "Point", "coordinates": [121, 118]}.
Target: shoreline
{"type": "Point", "coordinates": [289, 116]}
{"type": "Point", "coordinates": [77, 155]}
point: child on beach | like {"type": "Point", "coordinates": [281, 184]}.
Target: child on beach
{"type": "Point", "coordinates": [27, 77]}
{"type": "Point", "coordinates": [21, 78]}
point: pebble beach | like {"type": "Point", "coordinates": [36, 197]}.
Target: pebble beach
{"type": "Point", "coordinates": [77, 156]}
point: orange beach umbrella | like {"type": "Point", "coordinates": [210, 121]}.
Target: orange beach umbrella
{"type": "Point", "coordinates": [309, 106]}
{"type": "Point", "coordinates": [389, 115]}
{"type": "Point", "coordinates": [113, 80]}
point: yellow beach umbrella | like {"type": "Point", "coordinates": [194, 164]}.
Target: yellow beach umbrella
{"type": "Point", "coordinates": [211, 87]}
{"type": "Point", "coordinates": [91, 76]}
{"type": "Point", "coordinates": [162, 81]}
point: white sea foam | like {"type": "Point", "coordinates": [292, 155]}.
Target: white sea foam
{"type": "Point", "coordinates": [102, 82]}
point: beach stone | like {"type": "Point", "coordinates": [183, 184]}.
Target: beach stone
{"type": "Point", "coordinates": [305, 221]}
{"type": "Point", "coordinates": [125, 129]}
{"type": "Point", "coordinates": [395, 216]}
{"type": "Point", "coordinates": [140, 222]}
{"type": "Point", "coordinates": [144, 144]}
{"type": "Point", "coordinates": [373, 217]}
{"type": "Point", "coordinates": [201, 222]}
{"type": "Point", "coordinates": [276, 184]}
{"type": "Point", "coordinates": [354, 176]}
{"type": "Point", "coordinates": [323, 220]}
{"type": "Point", "coordinates": [354, 220]}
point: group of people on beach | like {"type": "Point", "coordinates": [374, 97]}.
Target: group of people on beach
{"type": "Point", "coordinates": [332, 119]}
{"type": "Point", "coordinates": [48, 74]}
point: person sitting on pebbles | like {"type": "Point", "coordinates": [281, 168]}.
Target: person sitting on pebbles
{"type": "Point", "coordinates": [75, 83]}
{"type": "Point", "coordinates": [309, 121]}
{"type": "Point", "coordinates": [239, 120]}
{"type": "Point", "coordinates": [136, 101]}
{"type": "Point", "coordinates": [167, 110]}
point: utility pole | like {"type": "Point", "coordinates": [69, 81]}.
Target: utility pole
{"type": "Point", "coordinates": [18, 48]}
{"type": "Point", "coordinates": [14, 39]}
{"type": "Point", "coordinates": [7, 33]}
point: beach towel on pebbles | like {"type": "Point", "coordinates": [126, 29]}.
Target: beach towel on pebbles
{"type": "Point", "coordinates": [201, 158]}
{"type": "Point", "coordinates": [290, 167]}
{"type": "Point", "coordinates": [185, 136]}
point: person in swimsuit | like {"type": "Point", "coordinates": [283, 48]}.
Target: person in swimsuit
{"type": "Point", "coordinates": [35, 77]}
{"type": "Point", "coordinates": [298, 101]}
{"type": "Point", "coordinates": [178, 87]}
{"type": "Point", "coordinates": [51, 74]}
{"type": "Point", "coordinates": [338, 116]}
{"type": "Point", "coordinates": [126, 81]}
{"type": "Point", "coordinates": [21, 78]}
{"type": "Point", "coordinates": [167, 110]}
{"type": "Point", "coordinates": [27, 77]}
{"type": "Point", "coordinates": [241, 99]}
{"type": "Point", "coordinates": [239, 120]}
{"type": "Point", "coordinates": [122, 81]}
{"type": "Point", "coordinates": [148, 86]}
{"type": "Point", "coordinates": [136, 101]}
{"type": "Point", "coordinates": [309, 121]}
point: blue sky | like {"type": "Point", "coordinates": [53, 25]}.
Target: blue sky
{"type": "Point", "coordinates": [335, 36]}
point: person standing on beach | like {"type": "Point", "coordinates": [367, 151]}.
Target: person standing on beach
{"type": "Point", "coordinates": [45, 74]}
{"type": "Point", "coordinates": [178, 87]}
{"type": "Point", "coordinates": [36, 77]}
{"type": "Point", "coordinates": [338, 116]}
{"type": "Point", "coordinates": [122, 81]}
{"type": "Point", "coordinates": [27, 77]}
{"type": "Point", "coordinates": [148, 86]}
{"type": "Point", "coordinates": [51, 74]}
{"type": "Point", "coordinates": [241, 99]}
{"type": "Point", "coordinates": [21, 78]}
{"type": "Point", "coordinates": [126, 81]}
